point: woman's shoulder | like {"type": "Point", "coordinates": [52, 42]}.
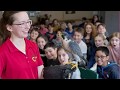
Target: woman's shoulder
{"type": "Point", "coordinates": [31, 44]}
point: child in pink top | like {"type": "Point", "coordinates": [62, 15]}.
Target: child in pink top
{"type": "Point", "coordinates": [114, 47]}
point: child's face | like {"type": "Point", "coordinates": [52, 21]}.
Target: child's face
{"type": "Point", "coordinates": [59, 34]}
{"type": "Point", "coordinates": [63, 26]}
{"type": "Point", "coordinates": [69, 25]}
{"type": "Point", "coordinates": [63, 57]}
{"type": "Point", "coordinates": [88, 29]}
{"type": "Point", "coordinates": [77, 37]}
{"type": "Point", "coordinates": [34, 34]}
{"type": "Point", "coordinates": [115, 42]}
{"type": "Point", "coordinates": [99, 41]}
{"type": "Point", "coordinates": [55, 22]}
{"type": "Point", "coordinates": [51, 53]}
{"type": "Point", "coordinates": [42, 26]}
{"type": "Point", "coordinates": [101, 30]}
{"type": "Point", "coordinates": [41, 42]}
{"type": "Point", "coordinates": [97, 23]}
{"type": "Point", "coordinates": [95, 18]}
{"type": "Point", "coordinates": [101, 58]}
{"type": "Point", "coordinates": [50, 28]}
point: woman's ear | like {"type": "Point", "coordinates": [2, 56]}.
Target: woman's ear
{"type": "Point", "coordinates": [9, 27]}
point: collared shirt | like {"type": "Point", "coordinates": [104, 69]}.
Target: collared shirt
{"type": "Point", "coordinates": [16, 65]}
{"type": "Point", "coordinates": [83, 47]}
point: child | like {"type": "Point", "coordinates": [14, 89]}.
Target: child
{"type": "Point", "coordinates": [43, 29]}
{"type": "Point", "coordinates": [106, 69]}
{"type": "Point", "coordinates": [64, 59]}
{"type": "Point", "coordinates": [89, 34]}
{"type": "Point", "coordinates": [42, 41]}
{"type": "Point", "coordinates": [77, 37]}
{"type": "Point", "coordinates": [56, 25]}
{"type": "Point", "coordinates": [66, 70]}
{"type": "Point", "coordinates": [59, 38]}
{"type": "Point", "coordinates": [51, 54]}
{"type": "Point", "coordinates": [99, 41]}
{"type": "Point", "coordinates": [101, 29]}
{"type": "Point", "coordinates": [50, 34]}
{"type": "Point", "coordinates": [34, 34]}
{"type": "Point", "coordinates": [114, 47]}
{"type": "Point", "coordinates": [70, 29]}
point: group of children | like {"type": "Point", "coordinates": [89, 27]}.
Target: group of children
{"type": "Point", "coordinates": [100, 50]}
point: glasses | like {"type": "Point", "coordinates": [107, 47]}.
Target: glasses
{"type": "Point", "coordinates": [101, 57]}
{"type": "Point", "coordinates": [23, 24]}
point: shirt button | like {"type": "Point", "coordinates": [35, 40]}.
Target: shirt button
{"type": "Point", "coordinates": [26, 57]}
{"type": "Point", "coordinates": [28, 61]}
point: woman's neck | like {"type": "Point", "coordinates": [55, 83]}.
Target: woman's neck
{"type": "Point", "coordinates": [17, 40]}
{"type": "Point", "coordinates": [19, 43]}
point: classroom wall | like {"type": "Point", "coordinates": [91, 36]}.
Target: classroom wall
{"type": "Point", "coordinates": [61, 15]}
{"type": "Point", "coordinates": [112, 21]}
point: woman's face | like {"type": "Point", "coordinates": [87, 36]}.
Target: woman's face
{"type": "Point", "coordinates": [21, 25]}
{"type": "Point", "coordinates": [63, 57]}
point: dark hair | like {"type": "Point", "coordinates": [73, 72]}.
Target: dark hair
{"type": "Point", "coordinates": [7, 18]}
{"type": "Point", "coordinates": [79, 30]}
{"type": "Point", "coordinates": [50, 44]}
{"type": "Point", "coordinates": [102, 24]}
{"type": "Point", "coordinates": [103, 49]}
{"type": "Point", "coordinates": [84, 18]}
{"type": "Point", "coordinates": [34, 29]}
{"type": "Point", "coordinates": [42, 36]}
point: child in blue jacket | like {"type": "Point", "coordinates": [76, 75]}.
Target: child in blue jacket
{"type": "Point", "coordinates": [106, 69]}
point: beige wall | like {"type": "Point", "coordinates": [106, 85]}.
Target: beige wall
{"type": "Point", "coordinates": [78, 15]}
{"type": "Point", "coordinates": [61, 15]}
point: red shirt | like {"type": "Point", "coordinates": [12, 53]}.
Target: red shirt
{"type": "Point", "coordinates": [43, 31]}
{"type": "Point", "coordinates": [16, 65]}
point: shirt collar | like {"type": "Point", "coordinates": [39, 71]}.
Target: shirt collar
{"type": "Point", "coordinates": [12, 48]}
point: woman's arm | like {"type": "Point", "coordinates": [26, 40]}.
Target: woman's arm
{"type": "Point", "coordinates": [40, 72]}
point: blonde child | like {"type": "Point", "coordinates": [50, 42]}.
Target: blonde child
{"type": "Point", "coordinates": [114, 47]}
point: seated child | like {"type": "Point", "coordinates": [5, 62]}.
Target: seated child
{"type": "Point", "coordinates": [106, 69]}
{"type": "Point", "coordinates": [41, 42]}
{"type": "Point", "coordinates": [114, 47]}
{"type": "Point", "coordinates": [66, 69]}
{"type": "Point", "coordinates": [64, 59]}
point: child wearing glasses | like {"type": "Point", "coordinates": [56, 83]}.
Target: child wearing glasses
{"type": "Point", "coordinates": [114, 47]}
{"type": "Point", "coordinates": [99, 41]}
{"type": "Point", "coordinates": [19, 57]}
{"type": "Point", "coordinates": [106, 69]}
